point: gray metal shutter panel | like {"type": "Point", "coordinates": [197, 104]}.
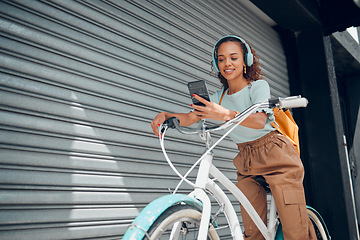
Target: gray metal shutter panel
{"type": "Point", "coordinates": [80, 82]}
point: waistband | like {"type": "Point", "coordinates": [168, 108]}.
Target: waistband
{"type": "Point", "coordinates": [260, 141]}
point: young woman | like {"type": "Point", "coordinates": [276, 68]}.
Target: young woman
{"type": "Point", "coordinates": [262, 150]}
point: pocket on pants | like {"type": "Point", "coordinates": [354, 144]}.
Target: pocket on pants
{"type": "Point", "coordinates": [296, 198]}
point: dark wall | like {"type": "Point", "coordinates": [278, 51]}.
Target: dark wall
{"type": "Point", "coordinates": [350, 96]}
{"type": "Point", "coordinates": [312, 75]}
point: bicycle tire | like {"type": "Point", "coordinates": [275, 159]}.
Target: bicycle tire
{"type": "Point", "coordinates": [187, 215]}
{"type": "Point", "coordinates": [319, 225]}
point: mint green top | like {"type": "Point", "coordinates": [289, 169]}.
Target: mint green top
{"type": "Point", "coordinates": [255, 92]}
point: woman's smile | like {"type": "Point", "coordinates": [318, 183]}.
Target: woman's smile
{"type": "Point", "coordinates": [229, 70]}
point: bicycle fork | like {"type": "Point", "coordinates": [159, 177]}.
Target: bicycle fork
{"type": "Point", "coordinates": [199, 193]}
{"type": "Point", "coordinates": [203, 182]}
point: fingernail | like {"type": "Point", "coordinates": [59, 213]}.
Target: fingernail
{"type": "Point", "coordinates": [159, 124]}
{"type": "Point", "coordinates": [191, 105]}
{"type": "Point", "coordinates": [194, 95]}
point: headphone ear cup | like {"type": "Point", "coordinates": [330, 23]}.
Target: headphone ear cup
{"type": "Point", "coordinates": [214, 61]}
{"type": "Point", "coordinates": [215, 65]}
{"type": "Point", "coordinates": [249, 59]}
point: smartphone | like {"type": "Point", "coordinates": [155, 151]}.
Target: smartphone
{"type": "Point", "coordinates": [199, 88]}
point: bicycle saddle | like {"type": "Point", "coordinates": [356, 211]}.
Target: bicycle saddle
{"type": "Point", "coordinates": [261, 180]}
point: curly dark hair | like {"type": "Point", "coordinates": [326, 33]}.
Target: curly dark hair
{"type": "Point", "coordinates": [253, 72]}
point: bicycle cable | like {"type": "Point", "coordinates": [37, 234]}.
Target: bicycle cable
{"type": "Point", "coordinates": [184, 177]}
{"type": "Point", "coordinates": [162, 140]}
{"type": "Point", "coordinates": [207, 152]}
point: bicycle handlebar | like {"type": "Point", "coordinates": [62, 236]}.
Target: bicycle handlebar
{"type": "Point", "coordinates": [289, 102]}
{"type": "Point", "coordinates": [203, 131]}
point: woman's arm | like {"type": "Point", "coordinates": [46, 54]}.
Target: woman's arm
{"type": "Point", "coordinates": [210, 111]}
{"type": "Point", "coordinates": [255, 120]}
{"type": "Point", "coordinates": [216, 112]}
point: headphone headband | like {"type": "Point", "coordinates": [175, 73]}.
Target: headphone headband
{"type": "Point", "coordinates": [248, 56]}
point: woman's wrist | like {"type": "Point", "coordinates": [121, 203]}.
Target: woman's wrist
{"type": "Point", "coordinates": [166, 115]}
{"type": "Point", "coordinates": [231, 115]}
{"type": "Point", "coordinates": [236, 114]}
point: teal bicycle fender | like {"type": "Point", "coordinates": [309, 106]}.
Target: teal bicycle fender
{"type": "Point", "coordinates": [279, 233]}
{"type": "Point", "coordinates": [153, 210]}
{"type": "Point", "coordinates": [321, 219]}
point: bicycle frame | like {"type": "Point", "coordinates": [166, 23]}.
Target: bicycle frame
{"type": "Point", "coordinates": [204, 182]}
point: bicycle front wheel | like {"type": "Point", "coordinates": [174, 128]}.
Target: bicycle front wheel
{"type": "Point", "coordinates": [319, 225]}
{"type": "Point", "coordinates": [179, 222]}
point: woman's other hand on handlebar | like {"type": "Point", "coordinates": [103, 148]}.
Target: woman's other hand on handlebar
{"type": "Point", "coordinates": [157, 121]}
{"type": "Point", "coordinates": [186, 119]}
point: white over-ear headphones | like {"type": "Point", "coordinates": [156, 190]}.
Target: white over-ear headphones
{"type": "Point", "coordinates": [249, 57]}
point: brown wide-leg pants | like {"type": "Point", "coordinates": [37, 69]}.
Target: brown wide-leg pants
{"type": "Point", "coordinates": [276, 159]}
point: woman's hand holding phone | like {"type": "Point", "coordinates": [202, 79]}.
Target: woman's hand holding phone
{"type": "Point", "coordinates": [212, 110]}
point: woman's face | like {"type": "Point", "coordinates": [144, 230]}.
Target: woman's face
{"type": "Point", "coordinates": [230, 60]}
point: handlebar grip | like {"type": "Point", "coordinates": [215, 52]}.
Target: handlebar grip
{"type": "Point", "coordinates": [293, 102]}
{"type": "Point", "coordinates": [170, 122]}
{"type": "Point", "coordinates": [174, 123]}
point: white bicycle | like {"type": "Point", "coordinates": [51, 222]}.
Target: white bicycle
{"type": "Point", "coordinates": [179, 216]}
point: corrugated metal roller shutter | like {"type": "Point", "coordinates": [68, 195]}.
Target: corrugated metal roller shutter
{"type": "Point", "coordinates": [80, 82]}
